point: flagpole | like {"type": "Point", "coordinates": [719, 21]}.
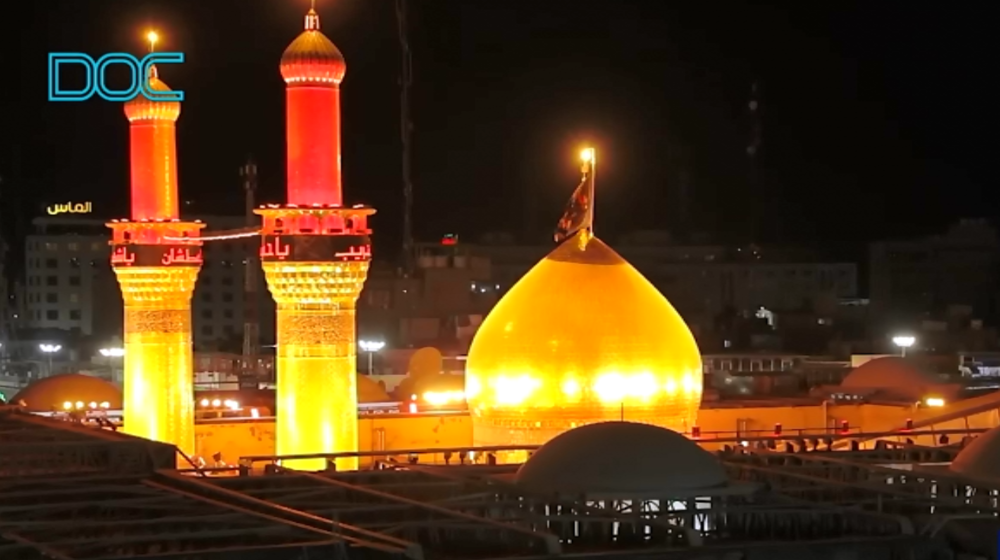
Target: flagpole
{"type": "Point", "coordinates": [593, 187]}
{"type": "Point", "coordinates": [590, 157]}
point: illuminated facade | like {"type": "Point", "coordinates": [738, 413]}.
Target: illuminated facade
{"type": "Point", "coordinates": [156, 258]}
{"type": "Point", "coordinates": [581, 338]}
{"type": "Point", "coordinates": [315, 255]}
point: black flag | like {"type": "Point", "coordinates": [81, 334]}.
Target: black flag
{"type": "Point", "coordinates": [578, 210]}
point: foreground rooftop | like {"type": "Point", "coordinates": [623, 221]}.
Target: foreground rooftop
{"type": "Point", "coordinates": [69, 492]}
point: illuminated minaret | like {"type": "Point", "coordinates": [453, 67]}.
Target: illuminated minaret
{"type": "Point", "coordinates": [315, 255]}
{"type": "Point", "coordinates": [156, 258]}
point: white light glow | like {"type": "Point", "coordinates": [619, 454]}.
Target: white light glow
{"type": "Point", "coordinates": [371, 345]}
{"type": "Point", "coordinates": [904, 341]}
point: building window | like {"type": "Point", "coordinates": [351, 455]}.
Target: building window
{"type": "Point", "coordinates": [206, 280]}
{"type": "Point", "coordinates": [51, 263]}
{"type": "Point", "coordinates": [51, 281]}
{"type": "Point", "coordinates": [206, 314]}
{"type": "Point", "coordinates": [227, 297]}
{"type": "Point", "coordinates": [206, 296]}
{"type": "Point", "coordinates": [74, 281]}
{"type": "Point", "coordinates": [52, 315]}
{"type": "Point", "coordinates": [74, 298]}
{"type": "Point", "coordinates": [73, 246]}
{"type": "Point", "coordinates": [227, 314]}
{"type": "Point", "coordinates": [227, 280]}
{"type": "Point", "coordinates": [228, 329]}
{"type": "Point", "coordinates": [206, 330]}
{"type": "Point", "coordinates": [74, 315]}
{"type": "Point", "coordinates": [51, 297]}
{"type": "Point", "coordinates": [74, 263]}
{"type": "Point", "coordinates": [51, 246]}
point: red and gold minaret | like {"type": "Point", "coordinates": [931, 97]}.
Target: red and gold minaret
{"type": "Point", "coordinates": [156, 258]}
{"type": "Point", "coordinates": [315, 255]}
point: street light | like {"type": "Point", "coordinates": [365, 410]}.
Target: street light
{"type": "Point", "coordinates": [49, 349]}
{"type": "Point", "coordinates": [112, 352]}
{"type": "Point", "coordinates": [904, 342]}
{"type": "Point", "coordinates": [371, 346]}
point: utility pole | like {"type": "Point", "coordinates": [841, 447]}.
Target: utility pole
{"type": "Point", "coordinates": [753, 156]}
{"type": "Point", "coordinates": [406, 129]}
{"type": "Point", "coordinates": [251, 326]}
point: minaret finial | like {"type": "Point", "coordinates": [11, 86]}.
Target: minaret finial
{"type": "Point", "coordinates": [312, 18]}
{"type": "Point", "coordinates": [152, 37]}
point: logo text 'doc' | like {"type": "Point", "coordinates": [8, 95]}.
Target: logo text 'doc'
{"type": "Point", "coordinates": [95, 70]}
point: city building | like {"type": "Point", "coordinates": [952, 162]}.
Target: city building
{"type": "Point", "coordinates": [219, 307]}
{"type": "Point", "coordinates": [705, 280]}
{"type": "Point", "coordinates": [69, 284]}
{"type": "Point", "coordinates": [924, 277]}
{"type": "Point", "coordinates": [441, 304]}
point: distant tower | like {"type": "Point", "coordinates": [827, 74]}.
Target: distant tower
{"type": "Point", "coordinates": [157, 274]}
{"type": "Point", "coordinates": [315, 255]}
{"type": "Point", "coordinates": [251, 322]}
{"type": "Point", "coordinates": [753, 156]}
{"type": "Point", "coordinates": [406, 131]}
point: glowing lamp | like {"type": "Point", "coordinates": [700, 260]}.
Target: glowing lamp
{"type": "Point", "coordinates": [904, 342]}
{"type": "Point", "coordinates": [587, 155]}
{"type": "Point", "coordinates": [935, 402]}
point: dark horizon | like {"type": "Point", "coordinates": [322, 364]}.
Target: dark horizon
{"type": "Point", "coordinates": [872, 116]}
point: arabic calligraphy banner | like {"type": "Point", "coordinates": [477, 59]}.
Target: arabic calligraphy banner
{"type": "Point", "coordinates": [315, 248]}
{"type": "Point", "coordinates": [156, 255]}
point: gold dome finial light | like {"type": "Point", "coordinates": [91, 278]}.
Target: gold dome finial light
{"type": "Point", "coordinates": [152, 37]}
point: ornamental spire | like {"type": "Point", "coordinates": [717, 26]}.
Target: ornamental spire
{"type": "Point", "coordinates": [152, 37]}
{"type": "Point", "coordinates": [312, 18]}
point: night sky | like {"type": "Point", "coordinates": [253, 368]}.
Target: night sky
{"type": "Point", "coordinates": [876, 116]}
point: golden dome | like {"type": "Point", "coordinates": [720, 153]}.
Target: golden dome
{"type": "Point", "coordinates": [77, 390]}
{"type": "Point", "coordinates": [583, 337]}
{"type": "Point", "coordinates": [312, 58]}
{"type": "Point", "coordinates": [370, 391]}
{"type": "Point", "coordinates": [142, 108]}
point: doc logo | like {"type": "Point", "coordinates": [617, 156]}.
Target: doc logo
{"type": "Point", "coordinates": [95, 70]}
